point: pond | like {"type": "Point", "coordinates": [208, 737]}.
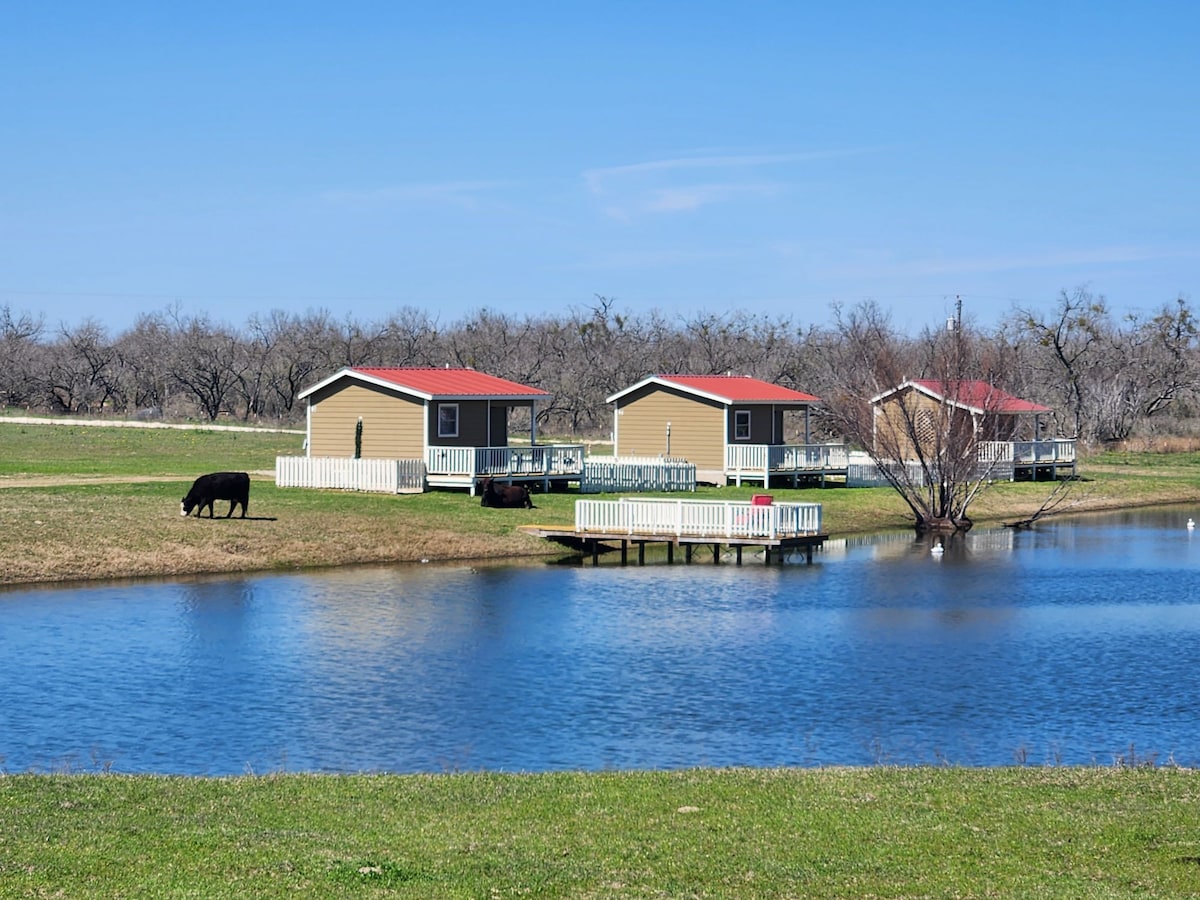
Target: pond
{"type": "Point", "coordinates": [1075, 643]}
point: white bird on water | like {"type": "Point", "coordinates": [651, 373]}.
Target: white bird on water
{"type": "Point", "coordinates": [1190, 525]}
{"type": "Point", "coordinates": [937, 549]}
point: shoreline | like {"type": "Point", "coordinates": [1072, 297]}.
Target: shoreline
{"type": "Point", "coordinates": [220, 555]}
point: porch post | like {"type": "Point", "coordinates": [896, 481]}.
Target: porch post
{"type": "Point", "coordinates": [425, 444]}
{"type": "Point", "coordinates": [725, 454]}
{"type": "Point", "coordinates": [532, 422]}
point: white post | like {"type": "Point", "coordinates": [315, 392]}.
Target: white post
{"type": "Point", "coordinates": [425, 437]}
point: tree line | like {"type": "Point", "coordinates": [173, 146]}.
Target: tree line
{"type": "Point", "coordinates": [1105, 378]}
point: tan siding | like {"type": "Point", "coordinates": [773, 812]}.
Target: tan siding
{"type": "Point", "coordinates": [697, 427]}
{"type": "Point", "coordinates": [392, 423]}
{"type": "Point", "coordinates": [890, 427]}
{"type": "Point", "coordinates": [928, 412]}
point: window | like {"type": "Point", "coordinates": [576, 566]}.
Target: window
{"type": "Point", "coordinates": [741, 425]}
{"type": "Point", "coordinates": [447, 420]}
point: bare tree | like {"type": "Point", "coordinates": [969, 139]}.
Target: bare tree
{"type": "Point", "coordinates": [145, 352]}
{"type": "Point", "coordinates": [298, 353]}
{"type": "Point", "coordinates": [921, 428]}
{"type": "Point", "coordinates": [352, 343]}
{"type": "Point", "coordinates": [81, 376]}
{"type": "Point", "coordinates": [410, 337]}
{"type": "Point", "coordinates": [1072, 336]}
{"type": "Point", "coordinates": [208, 363]}
{"type": "Point", "coordinates": [1102, 380]}
{"type": "Point", "coordinates": [1165, 356]}
{"type": "Point", "coordinates": [21, 351]}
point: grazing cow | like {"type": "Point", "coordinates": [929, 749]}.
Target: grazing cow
{"type": "Point", "coordinates": [207, 489]}
{"type": "Point", "coordinates": [504, 496]}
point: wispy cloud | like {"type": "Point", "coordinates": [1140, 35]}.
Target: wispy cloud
{"type": "Point", "coordinates": [666, 185]}
{"type": "Point", "coordinates": [460, 194]}
{"type": "Point", "coordinates": [596, 179]}
{"type": "Point", "coordinates": [1114, 255]}
{"type": "Point", "coordinates": [691, 197]}
{"type": "Point", "coordinates": [653, 258]}
{"type": "Point", "coordinates": [884, 264]}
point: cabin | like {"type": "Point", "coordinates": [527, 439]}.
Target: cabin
{"type": "Point", "coordinates": [730, 427]}
{"type": "Point", "coordinates": [1006, 431]}
{"type": "Point", "coordinates": [454, 420]}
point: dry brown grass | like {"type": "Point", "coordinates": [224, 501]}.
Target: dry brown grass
{"type": "Point", "coordinates": [69, 533]}
{"type": "Point", "coordinates": [1164, 443]}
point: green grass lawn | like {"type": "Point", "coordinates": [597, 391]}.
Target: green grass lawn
{"type": "Point", "coordinates": [874, 832]}
{"type": "Point", "coordinates": [85, 450]}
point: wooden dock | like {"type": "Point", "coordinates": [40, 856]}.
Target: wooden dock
{"type": "Point", "coordinates": [779, 528]}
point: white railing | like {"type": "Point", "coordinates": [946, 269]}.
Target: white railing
{"type": "Point", "coordinates": [996, 461]}
{"type": "Point", "coordinates": [605, 474]}
{"type": "Point", "coordinates": [865, 473]}
{"type": "Point", "coordinates": [386, 476]}
{"type": "Point", "coordinates": [761, 458]}
{"type": "Point", "coordinates": [697, 518]}
{"type": "Point", "coordinates": [1058, 451]}
{"type": "Point", "coordinates": [554, 460]}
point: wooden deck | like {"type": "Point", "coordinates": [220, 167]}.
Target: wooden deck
{"type": "Point", "coordinates": [779, 528]}
{"type": "Point", "coordinates": [462, 467]}
{"type": "Point", "coordinates": [783, 463]}
{"type": "Point", "coordinates": [1009, 459]}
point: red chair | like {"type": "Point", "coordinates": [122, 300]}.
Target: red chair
{"type": "Point", "coordinates": [761, 500]}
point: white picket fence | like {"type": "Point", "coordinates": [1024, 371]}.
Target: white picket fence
{"type": "Point", "coordinates": [386, 476]}
{"type": "Point", "coordinates": [697, 518]}
{"type": "Point", "coordinates": [996, 461]}
{"type": "Point", "coordinates": [608, 474]}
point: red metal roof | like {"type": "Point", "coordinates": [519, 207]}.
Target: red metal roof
{"type": "Point", "coordinates": [738, 389]}
{"type": "Point", "coordinates": [981, 396]}
{"type": "Point", "coordinates": [434, 382]}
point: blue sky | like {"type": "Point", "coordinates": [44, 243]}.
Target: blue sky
{"type": "Point", "coordinates": [774, 157]}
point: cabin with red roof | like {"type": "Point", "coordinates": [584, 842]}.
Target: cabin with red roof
{"type": "Point", "coordinates": [730, 427]}
{"type": "Point", "coordinates": [1006, 430]}
{"type": "Point", "coordinates": [454, 420]}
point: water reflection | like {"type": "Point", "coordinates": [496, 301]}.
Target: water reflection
{"type": "Point", "coordinates": [1064, 644]}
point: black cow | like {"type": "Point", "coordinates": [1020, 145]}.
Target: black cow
{"type": "Point", "coordinates": [231, 486]}
{"type": "Point", "coordinates": [504, 496]}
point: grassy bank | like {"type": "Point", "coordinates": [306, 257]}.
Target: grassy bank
{"type": "Point", "coordinates": [84, 502]}
{"type": "Point", "coordinates": [880, 832]}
